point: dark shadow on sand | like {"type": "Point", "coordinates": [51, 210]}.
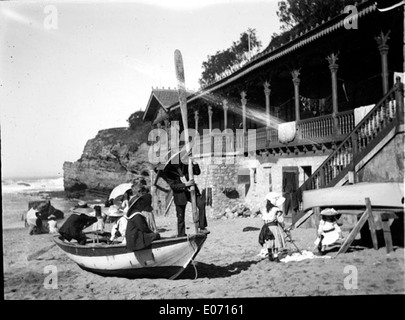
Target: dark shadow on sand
{"type": "Point", "coordinates": [211, 271]}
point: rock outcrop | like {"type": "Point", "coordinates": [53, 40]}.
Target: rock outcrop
{"type": "Point", "coordinates": [114, 156]}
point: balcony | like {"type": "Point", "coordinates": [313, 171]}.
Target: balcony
{"type": "Point", "coordinates": [309, 132]}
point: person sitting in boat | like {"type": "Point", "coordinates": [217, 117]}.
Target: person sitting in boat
{"type": "Point", "coordinates": [100, 223]}
{"type": "Point", "coordinates": [329, 231]}
{"type": "Point", "coordinates": [271, 236]}
{"type": "Point", "coordinates": [118, 231]}
{"type": "Point", "coordinates": [138, 234]}
{"type": "Point", "coordinates": [74, 225]}
{"type": "Point", "coordinates": [139, 189]}
{"type": "Point", "coordinates": [125, 201]}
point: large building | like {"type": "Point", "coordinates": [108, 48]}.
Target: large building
{"type": "Point", "coordinates": [324, 109]}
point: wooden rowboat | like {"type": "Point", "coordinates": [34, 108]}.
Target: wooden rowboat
{"type": "Point", "coordinates": [166, 258]}
{"type": "Point", "coordinates": [381, 194]}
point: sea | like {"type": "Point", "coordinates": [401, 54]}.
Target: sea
{"type": "Point", "coordinates": [31, 184]}
{"type": "Point", "coordinates": [16, 193]}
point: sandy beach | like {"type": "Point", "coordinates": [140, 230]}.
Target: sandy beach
{"type": "Point", "coordinates": [226, 267]}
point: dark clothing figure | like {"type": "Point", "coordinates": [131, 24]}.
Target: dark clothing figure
{"type": "Point", "coordinates": [289, 192]}
{"type": "Point", "coordinates": [181, 194]}
{"type": "Point", "coordinates": [138, 234]}
{"type": "Point", "coordinates": [74, 225]}
{"type": "Point", "coordinates": [265, 234]}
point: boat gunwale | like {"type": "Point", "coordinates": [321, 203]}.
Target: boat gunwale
{"type": "Point", "coordinates": [98, 249]}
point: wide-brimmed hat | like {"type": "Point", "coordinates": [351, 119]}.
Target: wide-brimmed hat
{"type": "Point", "coordinates": [275, 198]}
{"type": "Point", "coordinates": [113, 211]}
{"type": "Point", "coordinates": [132, 202]}
{"type": "Point", "coordinates": [141, 203]}
{"type": "Point", "coordinates": [329, 212]}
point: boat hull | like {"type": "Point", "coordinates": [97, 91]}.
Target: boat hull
{"type": "Point", "coordinates": [166, 258]}
{"type": "Point", "coordinates": [383, 194]}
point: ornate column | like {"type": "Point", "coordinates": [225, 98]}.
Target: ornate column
{"type": "Point", "coordinates": [383, 48]}
{"type": "Point", "coordinates": [296, 80]}
{"type": "Point", "coordinates": [196, 120]}
{"type": "Point", "coordinates": [333, 67]}
{"type": "Point", "coordinates": [210, 118]}
{"type": "Point", "coordinates": [267, 91]}
{"type": "Point", "coordinates": [225, 106]}
{"type": "Point", "coordinates": [244, 101]}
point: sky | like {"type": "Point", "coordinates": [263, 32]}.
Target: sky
{"type": "Point", "coordinates": [71, 68]}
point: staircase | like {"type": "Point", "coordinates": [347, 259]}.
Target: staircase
{"type": "Point", "coordinates": [368, 137]}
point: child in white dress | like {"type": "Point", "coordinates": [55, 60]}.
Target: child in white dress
{"type": "Point", "coordinates": [272, 234]}
{"type": "Point", "coordinates": [328, 230]}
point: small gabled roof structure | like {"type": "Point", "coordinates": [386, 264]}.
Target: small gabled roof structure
{"type": "Point", "coordinates": [159, 101]}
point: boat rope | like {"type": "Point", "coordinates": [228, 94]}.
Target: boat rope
{"type": "Point", "coordinates": [195, 269]}
{"type": "Point", "coordinates": [192, 260]}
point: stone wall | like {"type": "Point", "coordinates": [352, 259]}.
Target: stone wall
{"type": "Point", "coordinates": [387, 165]}
{"type": "Point", "coordinates": [265, 174]}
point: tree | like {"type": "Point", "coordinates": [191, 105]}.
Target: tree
{"type": "Point", "coordinates": [135, 119]}
{"type": "Point", "coordinates": [223, 60]}
{"type": "Point", "coordinates": [298, 15]}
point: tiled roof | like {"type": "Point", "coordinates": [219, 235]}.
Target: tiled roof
{"type": "Point", "coordinates": [165, 98]}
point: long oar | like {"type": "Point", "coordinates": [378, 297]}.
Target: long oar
{"type": "Point", "coordinates": [40, 252]}
{"type": "Point", "coordinates": [168, 206]}
{"type": "Point", "coordinates": [178, 62]}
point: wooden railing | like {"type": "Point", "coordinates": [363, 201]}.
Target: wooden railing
{"type": "Point", "coordinates": [308, 131]}
{"type": "Point", "coordinates": [381, 119]}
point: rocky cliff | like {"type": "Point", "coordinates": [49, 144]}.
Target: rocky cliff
{"type": "Point", "coordinates": [114, 156]}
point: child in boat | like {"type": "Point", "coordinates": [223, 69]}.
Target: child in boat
{"type": "Point", "coordinates": [271, 236]}
{"type": "Point", "coordinates": [99, 224]}
{"type": "Point", "coordinates": [125, 202]}
{"type": "Point", "coordinates": [118, 230]}
{"type": "Point", "coordinates": [328, 231]}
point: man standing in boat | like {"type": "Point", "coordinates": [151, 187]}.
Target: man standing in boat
{"type": "Point", "coordinates": [175, 173]}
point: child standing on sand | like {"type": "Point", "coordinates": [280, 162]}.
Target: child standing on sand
{"type": "Point", "coordinates": [272, 234]}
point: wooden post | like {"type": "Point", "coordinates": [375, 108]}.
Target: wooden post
{"type": "Point", "coordinates": [387, 229]}
{"type": "Point", "coordinates": [296, 80]}
{"type": "Point", "coordinates": [196, 120]}
{"type": "Point", "coordinates": [371, 224]}
{"type": "Point", "coordinates": [210, 118]}
{"type": "Point", "coordinates": [243, 101]}
{"type": "Point", "coordinates": [210, 129]}
{"type": "Point", "coordinates": [225, 106]}
{"type": "Point", "coordinates": [267, 91]}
